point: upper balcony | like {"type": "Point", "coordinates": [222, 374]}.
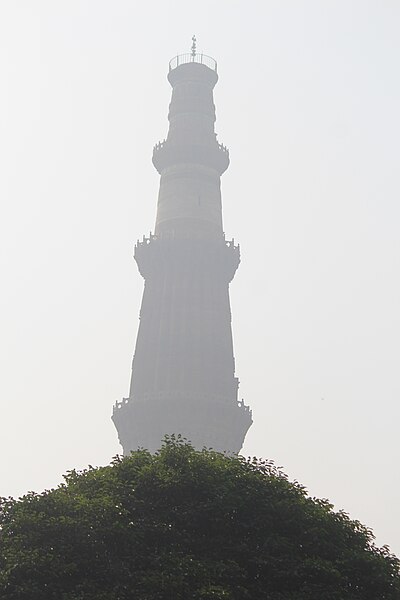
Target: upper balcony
{"type": "Point", "coordinates": [166, 155]}
{"type": "Point", "coordinates": [198, 67]}
{"type": "Point", "coordinates": [189, 57]}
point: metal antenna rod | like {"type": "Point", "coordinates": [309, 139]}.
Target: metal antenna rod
{"type": "Point", "coordinates": [194, 47]}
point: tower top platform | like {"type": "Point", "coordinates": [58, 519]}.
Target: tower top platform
{"type": "Point", "coordinates": [189, 57]}
{"type": "Point", "coordinates": [193, 67]}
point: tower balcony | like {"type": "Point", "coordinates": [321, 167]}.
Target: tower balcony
{"type": "Point", "coordinates": [188, 256]}
{"type": "Point", "coordinates": [198, 67]}
{"type": "Point", "coordinates": [205, 420]}
{"type": "Point", "coordinates": [183, 59]}
{"type": "Point", "coordinates": [215, 156]}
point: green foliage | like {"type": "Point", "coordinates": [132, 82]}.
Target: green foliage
{"type": "Point", "coordinates": [183, 525]}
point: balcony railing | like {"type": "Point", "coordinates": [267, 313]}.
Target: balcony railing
{"type": "Point", "coordinates": [202, 59]}
{"type": "Point", "coordinates": [162, 144]}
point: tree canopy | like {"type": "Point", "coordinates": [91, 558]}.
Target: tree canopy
{"type": "Point", "coordinates": [183, 524]}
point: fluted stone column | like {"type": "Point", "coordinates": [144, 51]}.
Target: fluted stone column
{"type": "Point", "coordinates": [183, 372]}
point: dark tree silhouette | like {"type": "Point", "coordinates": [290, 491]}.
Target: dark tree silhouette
{"type": "Point", "coordinates": [183, 525]}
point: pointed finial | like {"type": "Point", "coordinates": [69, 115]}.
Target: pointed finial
{"type": "Point", "coordinates": [193, 49]}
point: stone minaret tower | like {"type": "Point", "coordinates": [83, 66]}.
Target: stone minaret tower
{"type": "Point", "coordinates": [183, 372]}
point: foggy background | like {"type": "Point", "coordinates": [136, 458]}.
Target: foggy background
{"type": "Point", "coordinates": [308, 103]}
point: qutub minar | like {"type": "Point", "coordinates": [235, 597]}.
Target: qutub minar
{"type": "Point", "coordinates": [183, 371]}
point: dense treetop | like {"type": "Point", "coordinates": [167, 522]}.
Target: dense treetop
{"type": "Point", "coordinates": [183, 525]}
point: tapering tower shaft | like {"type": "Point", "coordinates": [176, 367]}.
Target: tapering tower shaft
{"type": "Point", "coordinates": [191, 161]}
{"type": "Point", "coordinates": [183, 372]}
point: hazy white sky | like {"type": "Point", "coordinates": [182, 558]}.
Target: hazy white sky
{"type": "Point", "coordinates": [308, 102]}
